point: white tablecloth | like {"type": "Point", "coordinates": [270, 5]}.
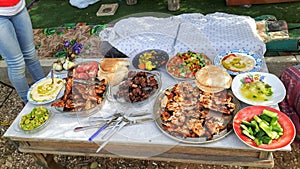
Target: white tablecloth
{"type": "Point", "coordinates": [212, 34]}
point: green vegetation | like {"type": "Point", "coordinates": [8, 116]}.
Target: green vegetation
{"type": "Point", "coordinates": [52, 13]}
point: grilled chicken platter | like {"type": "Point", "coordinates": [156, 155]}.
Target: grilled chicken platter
{"type": "Point", "coordinates": [189, 114]}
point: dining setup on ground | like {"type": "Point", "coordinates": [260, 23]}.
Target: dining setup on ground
{"type": "Point", "coordinates": [194, 88]}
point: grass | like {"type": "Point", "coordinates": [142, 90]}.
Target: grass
{"type": "Point", "coordinates": [52, 13]}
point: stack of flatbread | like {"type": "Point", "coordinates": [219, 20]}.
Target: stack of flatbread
{"type": "Point", "coordinates": [213, 79]}
{"type": "Point", "coordinates": [114, 70]}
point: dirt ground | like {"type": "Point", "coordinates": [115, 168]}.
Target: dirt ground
{"type": "Point", "coordinates": [11, 158]}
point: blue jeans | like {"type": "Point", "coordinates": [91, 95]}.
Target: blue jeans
{"type": "Point", "coordinates": [18, 50]}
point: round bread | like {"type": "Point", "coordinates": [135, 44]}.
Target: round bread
{"type": "Point", "coordinates": [212, 78]}
{"type": "Point", "coordinates": [113, 69]}
{"type": "Point", "coordinates": [208, 88]}
{"type": "Point", "coordinates": [111, 65]}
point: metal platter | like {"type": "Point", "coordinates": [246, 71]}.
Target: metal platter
{"type": "Point", "coordinates": [158, 108]}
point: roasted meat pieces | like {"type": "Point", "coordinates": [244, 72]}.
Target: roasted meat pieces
{"type": "Point", "coordinates": [81, 96]}
{"type": "Point", "coordinates": [83, 89]}
{"type": "Point", "coordinates": [138, 87]}
{"type": "Point", "coordinates": [187, 111]}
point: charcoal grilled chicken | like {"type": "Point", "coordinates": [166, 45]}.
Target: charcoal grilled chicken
{"type": "Point", "coordinates": [138, 87]}
{"type": "Point", "coordinates": [188, 112]}
{"type": "Point", "coordinates": [80, 96]}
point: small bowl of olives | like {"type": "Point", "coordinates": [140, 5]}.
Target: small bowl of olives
{"type": "Point", "coordinates": [36, 120]}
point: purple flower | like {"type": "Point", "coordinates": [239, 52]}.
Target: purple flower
{"type": "Point", "coordinates": [76, 51]}
{"type": "Point", "coordinates": [77, 47]}
{"type": "Point", "coordinates": [67, 44]}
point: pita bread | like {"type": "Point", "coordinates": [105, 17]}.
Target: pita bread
{"type": "Point", "coordinates": [115, 70]}
{"type": "Point", "coordinates": [212, 78]}
{"type": "Point", "coordinates": [209, 88]}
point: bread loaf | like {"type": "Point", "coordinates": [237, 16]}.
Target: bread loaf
{"type": "Point", "coordinates": [114, 70]}
{"type": "Point", "coordinates": [110, 65]}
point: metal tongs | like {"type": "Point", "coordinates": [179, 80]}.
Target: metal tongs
{"type": "Point", "coordinates": [52, 77]}
{"type": "Point", "coordinates": [119, 120]}
{"type": "Point", "coordinates": [96, 122]}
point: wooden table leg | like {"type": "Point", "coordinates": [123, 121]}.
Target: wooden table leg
{"type": "Point", "coordinates": [47, 161]}
{"type": "Point", "coordinates": [264, 155]}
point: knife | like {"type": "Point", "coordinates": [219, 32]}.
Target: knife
{"type": "Point", "coordinates": [103, 127]}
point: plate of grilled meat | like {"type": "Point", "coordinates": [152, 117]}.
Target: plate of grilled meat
{"type": "Point", "coordinates": [84, 93]}
{"type": "Point", "coordinates": [187, 114]}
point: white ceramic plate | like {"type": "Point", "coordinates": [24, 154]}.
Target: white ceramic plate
{"type": "Point", "coordinates": [278, 88]}
{"type": "Point", "coordinates": [29, 98]}
{"type": "Point", "coordinates": [257, 58]}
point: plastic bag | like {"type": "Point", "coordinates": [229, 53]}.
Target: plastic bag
{"type": "Point", "coordinates": [82, 3]}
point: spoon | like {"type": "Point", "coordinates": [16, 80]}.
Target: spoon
{"type": "Point", "coordinates": [49, 86]}
{"type": "Point", "coordinates": [52, 77]}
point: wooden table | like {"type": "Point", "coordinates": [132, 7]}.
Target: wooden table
{"type": "Point", "coordinates": [143, 141]}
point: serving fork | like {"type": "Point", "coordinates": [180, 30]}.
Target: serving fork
{"type": "Point", "coordinates": [124, 121]}
{"type": "Point", "coordinates": [98, 121]}
{"type": "Point", "coordinates": [116, 116]}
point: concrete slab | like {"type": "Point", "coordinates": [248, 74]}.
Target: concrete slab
{"type": "Point", "coordinates": [46, 64]}
{"type": "Point", "coordinates": [277, 64]}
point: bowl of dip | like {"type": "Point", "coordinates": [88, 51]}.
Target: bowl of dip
{"type": "Point", "coordinates": [239, 61]}
{"type": "Point", "coordinates": [44, 91]}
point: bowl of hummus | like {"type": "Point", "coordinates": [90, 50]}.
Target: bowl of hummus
{"type": "Point", "coordinates": [44, 91]}
{"type": "Point", "coordinates": [239, 61]}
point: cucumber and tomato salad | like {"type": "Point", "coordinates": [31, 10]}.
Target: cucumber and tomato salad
{"type": "Point", "coordinates": [185, 65]}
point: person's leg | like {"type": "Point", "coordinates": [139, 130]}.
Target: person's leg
{"type": "Point", "coordinates": [23, 29]}
{"type": "Point", "coordinates": [11, 52]}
